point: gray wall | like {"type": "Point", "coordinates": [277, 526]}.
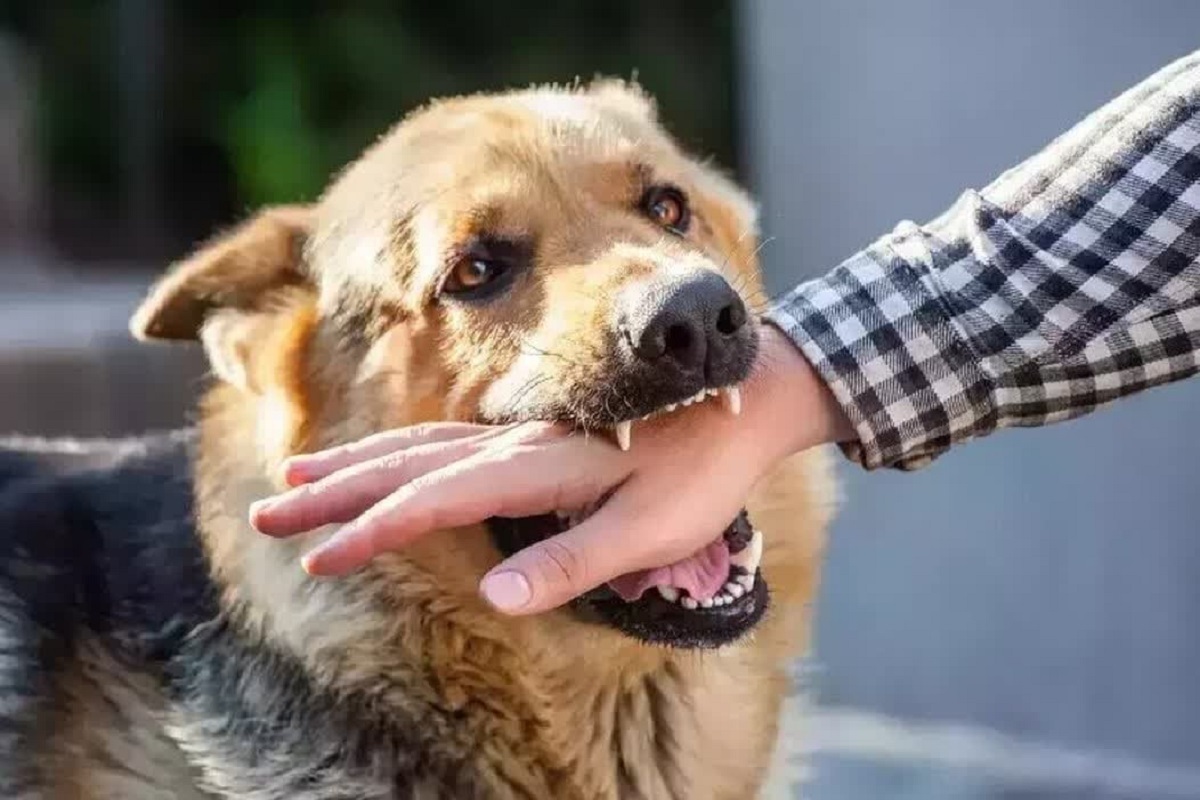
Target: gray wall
{"type": "Point", "coordinates": [1043, 584]}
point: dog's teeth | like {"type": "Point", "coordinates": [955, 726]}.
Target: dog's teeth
{"type": "Point", "coordinates": [745, 581]}
{"type": "Point", "coordinates": [688, 602]}
{"type": "Point", "coordinates": [669, 593]}
{"type": "Point", "coordinates": [732, 398]}
{"type": "Point", "coordinates": [670, 408]}
{"type": "Point", "coordinates": [624, 434]}
{"type": "Point", "coordinates": [749, 557]}
{"type": "Point", "coordinates": [687, 402]}
{"type": "Point", "coordinates": [706, 602]}
{"type": "Point", "coordinates": [735, 589]}
{"type": "Point", "coordinates": [713, 392]}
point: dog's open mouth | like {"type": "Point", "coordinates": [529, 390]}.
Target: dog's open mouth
{"type": "Point", "coordinates": [708, 599]}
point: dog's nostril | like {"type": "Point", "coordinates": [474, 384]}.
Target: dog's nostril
{"type": "Point", "coordinates": [731, 318]}
{"type": "Point", "coordinates": [691, 325]}
{"type": "Point", "coordinates": [678, 338]}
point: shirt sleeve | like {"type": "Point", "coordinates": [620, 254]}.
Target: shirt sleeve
{"type": "Point", "coordinates": [1069, 282]}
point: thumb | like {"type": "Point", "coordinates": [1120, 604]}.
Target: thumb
{"type": "Point", "coordinates": [617, 539]}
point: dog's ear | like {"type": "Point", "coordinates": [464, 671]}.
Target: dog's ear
{"type": "Point", "coordinates": [626, 97]}
{"type": "Point", "coordinates": [215, 294]}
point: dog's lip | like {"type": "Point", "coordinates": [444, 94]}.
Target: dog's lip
{"type": "Point", "coordinates": [656, 620]}
{"type": "Point", "coordinates": [729, 396]}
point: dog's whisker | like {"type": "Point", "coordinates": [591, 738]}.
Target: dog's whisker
{"type": "Point", "coordinates": [534, 350]}
{"type": "Point", "coordinates": [513, 407]}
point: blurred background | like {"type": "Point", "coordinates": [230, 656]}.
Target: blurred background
{"type": "Point", "coordinates": [1015, 622]}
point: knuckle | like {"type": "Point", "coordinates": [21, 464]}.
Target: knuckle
{"type": "Point", "coordinates": [395, 464]}
{"type": "Point", "coordinates": [532, 432]}
{"type": "Point", "coordinates": [421, 430]}
{"type": "Point", "coordinates": [561, 564]}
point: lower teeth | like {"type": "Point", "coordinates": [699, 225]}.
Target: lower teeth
{"type": "Point", "coordinates": [743, 568]}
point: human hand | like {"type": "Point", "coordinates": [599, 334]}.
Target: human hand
{"type": "Point", "coordinates": [685, 476]}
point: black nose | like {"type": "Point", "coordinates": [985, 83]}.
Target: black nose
{"type": "Point", "coordinates": [692, 324]}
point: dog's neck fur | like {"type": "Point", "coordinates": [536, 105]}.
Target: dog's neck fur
{"type": "Point", "coordinates": [608, 717]}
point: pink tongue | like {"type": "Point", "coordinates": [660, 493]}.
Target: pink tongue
{"type": "Point", "coordinates": [702, 574]}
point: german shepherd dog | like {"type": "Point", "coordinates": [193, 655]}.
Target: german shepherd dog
{"type": "Point", "coordinates": [545, 254]}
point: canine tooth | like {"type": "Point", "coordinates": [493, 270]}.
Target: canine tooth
{"type": "Point", "coordinates": [732, 398]}
{"type": "Point", "coordinates": [669, 593]}
{"type": "Point", "coordinates": [735, 589]}
{"type": "Point", "coordinates": [751, 555]}
{"type": "Point", "coordinates": [745, 581]}
{"type": "Point", "coordinates": [624, 434]}
{"type": "Point", "coordinates": [706, 602]}
{"type": "Point", "coordinates": [688, 602]}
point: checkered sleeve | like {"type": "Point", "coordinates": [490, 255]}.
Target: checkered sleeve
{"type": "Point", "coordinates": [1069, 282]}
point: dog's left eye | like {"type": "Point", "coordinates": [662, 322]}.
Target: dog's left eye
{"type": "Point", "coordinates": [472, 273]}
{"type": "Point", "coordinates": [667, 206]}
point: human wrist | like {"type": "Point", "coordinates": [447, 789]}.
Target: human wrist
{"type": "Point", "coordinates": [792, 406]}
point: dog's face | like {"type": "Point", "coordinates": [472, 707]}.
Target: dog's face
{"type": "Point", "coordinates": [548, 254]}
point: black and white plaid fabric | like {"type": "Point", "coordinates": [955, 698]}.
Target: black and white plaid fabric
{"type": "Point", "coordinates": [1071, 281]}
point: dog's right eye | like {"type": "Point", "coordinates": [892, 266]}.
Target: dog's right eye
{"type": "Point", "coordinates": [471, 273]}
{"type": "Point", "coordinates": [484, 266]}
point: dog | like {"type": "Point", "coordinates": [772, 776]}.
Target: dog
{"type": "Point", "coordinates": [542, 254]}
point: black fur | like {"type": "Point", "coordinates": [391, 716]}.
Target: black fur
{"type": "Point", "coordinates": [99, 542]}
{"type": "Point", "coordinates": [93, 539]}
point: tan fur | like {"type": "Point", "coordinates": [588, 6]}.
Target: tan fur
{"type": "Point", "coordinates": [109, 736]}
{"type": "Point", "coordinates": [550, 706]}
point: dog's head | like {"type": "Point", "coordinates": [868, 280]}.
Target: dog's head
{"type": "Point", "coordinates": [543, 254]}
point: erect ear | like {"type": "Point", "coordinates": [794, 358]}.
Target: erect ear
{"type": "Point", "coordinates": [626, 97]}
{"type": "Point", "coordinates": [214, 295]}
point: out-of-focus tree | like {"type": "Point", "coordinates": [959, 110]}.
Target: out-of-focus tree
{"type": "Point", "coordinates": [261, 101]}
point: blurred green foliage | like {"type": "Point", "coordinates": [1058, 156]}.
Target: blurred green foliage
{"type": "Point", "coordinates": [261, 101]}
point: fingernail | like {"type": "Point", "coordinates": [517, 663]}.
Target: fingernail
{"type": "Point", "coordinates": [293, 475]}
{"type": "Point", "coordinates": [260, 507]}
{"type": "Point", "coordinates": [507, 591]}
{"type": "Point", "coordinates": [309, 561]}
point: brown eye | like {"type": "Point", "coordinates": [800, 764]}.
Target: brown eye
{"type": "Point", "coordinates": [668, 207]}
{"type": "Point", "coordinates": [485, 266]}
{"type": "Point", "coordinates": [473, 273]}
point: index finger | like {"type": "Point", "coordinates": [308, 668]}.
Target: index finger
{"type": "Point", "coordinates": [309, 467]}
{"type": "Point", "coordinates": [518, 482]}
